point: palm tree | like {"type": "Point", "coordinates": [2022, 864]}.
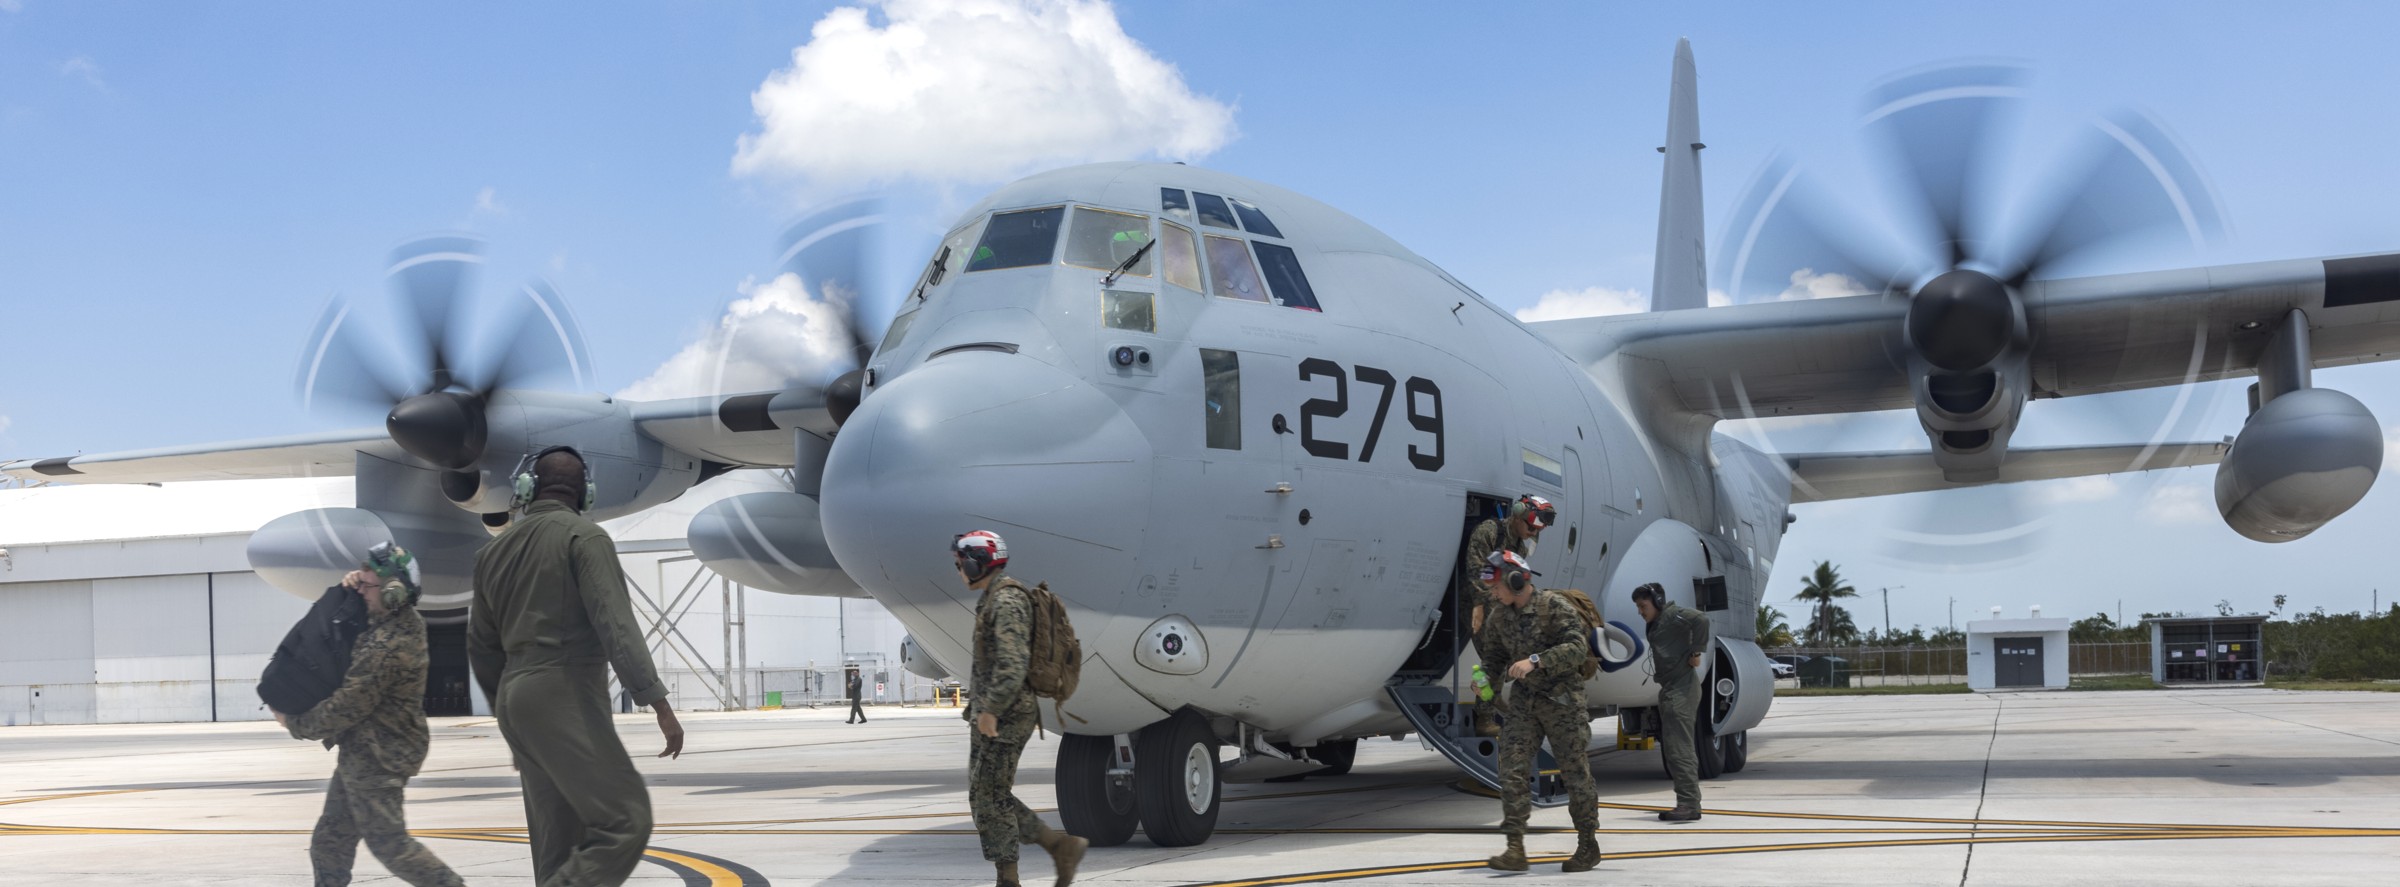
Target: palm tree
{"type": "Point", "coordinates": [1822, 588]}
{"type": "Point", "coordinates": [1773, 630]}
{"type": "Point", "coordinates": [1834, 626]}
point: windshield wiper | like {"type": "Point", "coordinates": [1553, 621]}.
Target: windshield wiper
{"type": "Point", "coordinates": [1127, 265]}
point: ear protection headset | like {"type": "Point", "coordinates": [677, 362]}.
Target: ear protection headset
{"type": "Point", "coordinates": [982, 550]}
{"type": "Point", "coordinates": [523, 489]}
{"type": "Point", "coordinates": [398, 570]}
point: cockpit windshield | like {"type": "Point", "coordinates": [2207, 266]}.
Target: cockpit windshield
{"type": "Point", "coordinates": [1018, 239]}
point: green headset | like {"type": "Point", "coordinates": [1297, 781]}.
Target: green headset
{"type": "Point", "coordinates": [523, 489]}
{"type": "Point", "coordinates": [398, 570]}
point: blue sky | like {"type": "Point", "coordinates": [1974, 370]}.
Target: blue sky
{"type": "Point", "coordinates": [183, 186]}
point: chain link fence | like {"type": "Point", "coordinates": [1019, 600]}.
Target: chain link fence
{"type": "Point", "coordinates": [1924, 666]}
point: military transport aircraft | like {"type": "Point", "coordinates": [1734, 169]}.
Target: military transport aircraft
{"type": "Point", "coordinates": [1243, 434]}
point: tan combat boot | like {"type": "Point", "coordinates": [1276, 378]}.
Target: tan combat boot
{"type": "Point", "coordinates": [1066, 852]}
{"type": "Point", "coordinates": [1587, 853]}
{"type": "Point", "coordinates": [1008, 874]}
{"type": "Point", "coordinates": [1513, 859]}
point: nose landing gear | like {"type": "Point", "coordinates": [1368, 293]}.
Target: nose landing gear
{"type": "Point", "coordinates": [1169, 786]}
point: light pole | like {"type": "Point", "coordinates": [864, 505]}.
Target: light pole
{"type": "Point", "coordinates": [1887, 611]}
{"type": "Point", "coordinates": [1953, 615]}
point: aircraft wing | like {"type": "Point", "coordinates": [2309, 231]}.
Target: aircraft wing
{"type": "Point", "coordinates": [2091, 335]}
{"type": "Point", "coordinates": [1823, 477]}
{"type": "Point", "coordinates": [326, 454]}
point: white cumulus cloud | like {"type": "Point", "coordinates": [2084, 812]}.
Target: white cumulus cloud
{"type": "Point", "coordinates": [84, 69]}
{"type": "Point", "coordinates": [1808, 284]}
{"type": "Point", "coordinates": [2181, 503]}
{"type": "Point", "coordinates": [488, 201]}
{"type": "Point", "coordinates": [11, 5]}
{"type": "Point", "coordinates": [2391, 447]}
{"type": "Point", "coordinates": [1591, 301]}
{"type": "Point", "coordinates": [773, 337]}
{"type": "Point", "coordinates": [972, 91]}
{"type": "Point", "coordinates": [2077, 489]}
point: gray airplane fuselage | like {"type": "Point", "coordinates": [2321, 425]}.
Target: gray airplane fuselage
{"type": "Point", "coordinates": [1287, 485]}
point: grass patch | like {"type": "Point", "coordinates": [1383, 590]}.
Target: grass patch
{"type": "Point", "coordinates": [2112, 682]}
{"type": "Point", "coordinates": [2368, 686]}
{"type": "Point", "coordinates": [1892, 690]}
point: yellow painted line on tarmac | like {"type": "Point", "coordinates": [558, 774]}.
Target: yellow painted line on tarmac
{"type": "Point", "coordinates": [120, 791]}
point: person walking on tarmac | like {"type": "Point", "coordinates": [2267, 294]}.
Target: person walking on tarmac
{"type": "Point", "coordinates": [1001, 706]}
{"type": "Point", "coordinates": [1679, 638]}
{"type": "Point", "coordinates": [550, 617]}
{"type": "Point", "coordinates": [854, 686]}
{"type": "Point", "coordinates": [1516, 533]}
{"type": "Point", "coordinates": [377, 716]}
{"type": "Point", "coordinates": [1539, 635]}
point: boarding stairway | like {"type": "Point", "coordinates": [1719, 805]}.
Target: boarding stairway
{"type": "Point", "coordinates": [1449, 727]}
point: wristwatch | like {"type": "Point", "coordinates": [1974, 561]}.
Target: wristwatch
{"type": "Point", "coordinates": [1535, 659]}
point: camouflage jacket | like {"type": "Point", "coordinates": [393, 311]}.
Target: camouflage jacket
{"type": "Point", "coordinates": [550, 592]}
{"type": "Point", "coordinates": [1003, 648]}
{"type": "Point", "coordinates": [377, 715]}
{"type": "Point", "coordinates": [1675, 635]}
{"type": "Point", "coordinates": [1489, 536]}
{"type": "Point", "coordinates": [1547, 625]}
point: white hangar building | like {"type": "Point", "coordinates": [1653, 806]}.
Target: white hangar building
{"type": "Point", "coordinates": [134, 604]}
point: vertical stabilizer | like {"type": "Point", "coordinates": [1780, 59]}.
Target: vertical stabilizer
{"type": "Point", "coordinates": [1679, 275]}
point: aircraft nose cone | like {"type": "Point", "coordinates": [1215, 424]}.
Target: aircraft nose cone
{"type": "Point", "coordinates": [987, 441]}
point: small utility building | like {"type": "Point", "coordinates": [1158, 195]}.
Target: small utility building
{"type": "Point", "coordinates": [2017, 654]}
{"type": "Point", "coordinates": [2208, 651]}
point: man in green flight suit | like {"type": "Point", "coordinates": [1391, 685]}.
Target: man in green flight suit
{"type": "Point", "coordinates": [1002, 707]}
{"type": "Point", "coordinates": [377, 716]}
{"type": "Point", "coordinates": [1516, 533]}
{"type": "Point", "coordinates": [550, 617]}
{"type": "Point", "coordinates": [1679, 638]}
{"type": "Point", "coordinates": [1540, 637]}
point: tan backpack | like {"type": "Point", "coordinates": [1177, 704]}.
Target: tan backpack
{"type": "Point", "coordinates": [1590, 615]}
{"type": "Point", "coordinates": [1055, 659]}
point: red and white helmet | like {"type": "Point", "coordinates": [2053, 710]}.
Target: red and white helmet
{"type": "Point", "coordinates": [982, 549]}
{"type": "Point", "coordinates": [1538, 511]}
{"type": "Point", "coordinates": [1509, 567]}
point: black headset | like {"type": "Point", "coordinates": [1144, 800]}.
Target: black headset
{"type": "Point", "coordinates": [523, 483]}
{"type": "Point", "coordinates": [978, 555]}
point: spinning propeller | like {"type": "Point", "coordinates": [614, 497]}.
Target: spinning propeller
{"type": "Point", "coordinates": [837, 253]}
{"type": "Point", "coordinates": [434, 361]}
{"type": "Point", "coordinates": [1964, 239]}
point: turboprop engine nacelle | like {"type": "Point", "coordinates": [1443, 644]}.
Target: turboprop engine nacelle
{"type": "Point", "coordinates": [913, 658]}
{"type": "Point", "coordinates": [306, 552]}
{"type": "Point", "coordinates": [2301, 460]}
{"type": "Point", "coordinates": [771, 541]}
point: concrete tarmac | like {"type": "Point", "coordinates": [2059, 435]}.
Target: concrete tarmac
{"type": "Point", "coordinates": [2217, 786]}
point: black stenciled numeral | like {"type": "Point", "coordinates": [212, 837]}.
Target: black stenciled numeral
{"type": "Point", "coordinates": [1368, 375]}
{"type": "Point", "coordinates": [1430, 424]}
{"type": "Point", "coordinates": [1320, 407]}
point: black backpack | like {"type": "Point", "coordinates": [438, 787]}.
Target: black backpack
{"type": "Point", "coordinates": [308, 666]}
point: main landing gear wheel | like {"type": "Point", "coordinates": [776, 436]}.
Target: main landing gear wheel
{"type": "Point", "coordinates": [1737, 752]}
{"type": "Point", "coordinates": [1708, 747]}
{"type": "Point", "coordinates": [1175, 780]}
{"type": "Point", "coordinates": [1336, 756]}
{"type": "Point", "coordinates": [1092, 805]}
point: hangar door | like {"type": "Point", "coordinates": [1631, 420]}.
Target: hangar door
{"type": "Point", "coordinates": [2017, 662]}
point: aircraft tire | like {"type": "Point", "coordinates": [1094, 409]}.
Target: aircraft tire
{"type": "Point", "coordinates": [1336, 756]}
{"type": "Point", "coordinates": [1088, 805]}
{"type": "Point", "coordinates": [1175, 780]}
{"type": "Point", "coordinates": [1708, 747]}
{"type": "Point", "coordinates": [1737, 752]}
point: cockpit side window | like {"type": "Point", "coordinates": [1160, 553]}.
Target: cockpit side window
{"type": "Point", "coordinates": [1172, 202]}
{"type": "Point", "coordinates": [1221, 398]}
{"type": "Point", "coordinates": [1178, 257]}
{"type": "Point", "coordinates": [1213, 211]}
{"type": "Point", "coordinates": [1254, 220]}
{"type": "Point", "coordinates": [1103, 240]}
{"type": "Point", "coordinates": [1018, 239]}
{"type": "Point", "coordinates": [1229, 266]}
{"type": "Point", "coordinates": [1284, 277]}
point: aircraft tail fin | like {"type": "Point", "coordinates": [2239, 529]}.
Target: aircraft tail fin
{"type": "Point", "coordinates": [1679, 274]}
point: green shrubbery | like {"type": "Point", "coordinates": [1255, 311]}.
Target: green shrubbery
{"type": "Point", "coordinates": [2335, 646]}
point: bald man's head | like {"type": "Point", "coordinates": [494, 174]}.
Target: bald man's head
{"type": "Point", "coordinates": [559, 477]}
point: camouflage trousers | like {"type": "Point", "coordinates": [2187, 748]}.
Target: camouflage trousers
{"type": "Point", "coordinates": [363, 803]}
{"type": "Point", "coordinates": [1678, 715]}
{"type": "Point", "coordinates": [1003, 821]}
{"type": "Point", "coordinates": [1569, 729]}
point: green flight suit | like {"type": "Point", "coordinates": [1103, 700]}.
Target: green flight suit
{"type": "Point", "coordinates": [377, 717]}
{"type": "Point", "coordinates": [1003, 656]}
{"type": "Point", "coordinates": [1547, 704]}
{"type": "Point", "coordinates": [1676, 634]}
{"type": "Point", "coordinates": [551, 616]}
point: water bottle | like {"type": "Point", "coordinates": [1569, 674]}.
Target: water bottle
{"type": "Point", "coordinates": [1483, 685]}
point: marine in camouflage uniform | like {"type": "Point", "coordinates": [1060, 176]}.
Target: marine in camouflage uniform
{"type": "Point", "coordinates": [1676, 633]}
{"type": "Point", "coordinates": [377, 717]}
{"type": "Point", "coordinates": [551, 615]}
{"type": "Point", "coordinates": [1496, 534]}
{"type": "Point", "coordinates": [1547, 703]}
{"type": "Point", "coordinates": [1003, 654]}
